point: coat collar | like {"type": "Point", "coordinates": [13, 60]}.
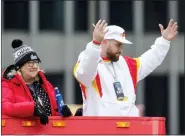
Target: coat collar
{"type": "Point", "coordinates": [17, 79]}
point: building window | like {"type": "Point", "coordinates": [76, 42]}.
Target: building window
{"type": "Point", "coordinates": [51, 15]}
{"type": "Point", "coordinates": [16, 15]}
{"type": "Point", "coordinates": [155, 12]}
{"type": "Point", "coordinates": [182, 103]}
{"type": "Point", "coordinates": [78, 93]}
{"type": "Point", "coordinates": [81, 15]}
{"type": "Point", "coordinates": [97, 12]}
{"type": "Point", "coordinates": [181, 11]}
{"type": "Point", "coordinates": [120, 13]}
{"type": "Point", "coordinates": [156, 97]}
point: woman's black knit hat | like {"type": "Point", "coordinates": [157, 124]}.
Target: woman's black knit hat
{"type": "Point", "coordinates": [22, 53]}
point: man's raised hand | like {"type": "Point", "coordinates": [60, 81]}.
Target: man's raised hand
{"type": "Point", "coordinates": [98, 33]}
{"type": "Point", "coordinates": [170, 32]}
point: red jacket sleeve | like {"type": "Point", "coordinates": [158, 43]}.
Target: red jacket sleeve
{"type": "Point", "coordinates": [10, 108]}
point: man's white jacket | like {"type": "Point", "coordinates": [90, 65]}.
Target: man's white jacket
{"type": "Point", "coordinates": [96, 81]}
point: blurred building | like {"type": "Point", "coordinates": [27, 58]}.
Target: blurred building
{"type": "Point", "coordinates": [59, 30]}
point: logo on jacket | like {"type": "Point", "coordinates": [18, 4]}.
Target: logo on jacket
{"type": "Point", "coordinates": [125, 98]}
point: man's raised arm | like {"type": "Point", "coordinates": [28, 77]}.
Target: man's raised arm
{"type": "Point", "coordinates": [152, 58]}
{"type": "Point", "coordinates": [86, 68]}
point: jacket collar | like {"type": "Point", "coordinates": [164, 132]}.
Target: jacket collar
{"type": "Point", "coordinates": [17, 79]}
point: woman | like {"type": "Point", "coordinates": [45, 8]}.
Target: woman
{"type": "Point", "coordinates": [25, 90]}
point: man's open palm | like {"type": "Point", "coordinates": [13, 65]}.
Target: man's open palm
{"type": "Point", "coordinates": [99, 32]}
{"type": "Point", "coordinates": [170, 32]}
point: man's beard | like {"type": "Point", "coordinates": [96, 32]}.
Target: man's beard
{"type": "Point", "coordinates": [113, 57]}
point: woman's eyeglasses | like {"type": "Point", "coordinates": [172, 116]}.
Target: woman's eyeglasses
{"type": "Point", "coordinates": [32, 63]}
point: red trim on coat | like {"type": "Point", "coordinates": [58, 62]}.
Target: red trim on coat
{"type": "Point", "coordinates": [98, 83]}
{"type": "Point", "coordinates": [83, 88]}
{"type": "Point", "coordinates": [132, 65]}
